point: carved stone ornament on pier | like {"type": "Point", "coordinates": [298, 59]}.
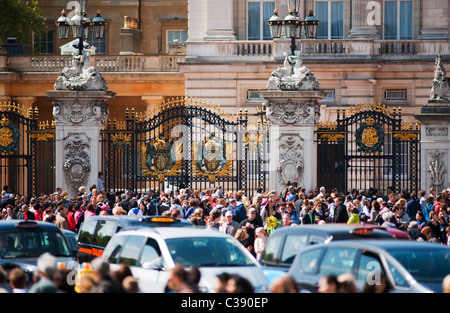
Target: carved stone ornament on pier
{"type": "Point", "coordinates": [80, 111]}
{"type": "Point", "coordinates": [437, 169]}
{"type": "Point", "coordinates": [292, 76]}
{"type": "Point", "coordinates": [293, 112]}
{"type": "Point", "coordinates": [290, 165]}
{"type": "Point", "coordinates": [441, 83]}
{"type": "Point", "coordinates": [81, 76]}
{"type": "Point", "coordinates": [77, 165]}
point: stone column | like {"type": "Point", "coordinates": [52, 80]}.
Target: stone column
{"type": "Point", "coordinates": [435, 20]}
{"type": "Point", "coordinates": [79, 118]}
{"type": "Point", "coordinates": [435, 133]}
{"type": "Point", "coordinates": [361, 29]}
{"type": "Point", "coordinates": [210, 20]}
{"type": "Point", "coordinates": [292, 116]}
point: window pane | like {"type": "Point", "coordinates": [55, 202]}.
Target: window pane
{"type": "Point", "coordinates": [309, 261]}
{"type": "Point", "coordinates": [254, 16]}
{"type": "Point", "coordinates": [337, 20]}
{"type": "Point", "coordinates": [151, 252]}
{"type": "Point", "coordinates": [390, 20]}
{"type": "Point", "coordinates": [268, 8]}
{"type": "Point", "coordinates": [291, 247]}
{"type": "Point", "coordinates": [271, 250]}
{"type": "Point", "coordinates": [406, 19]}
{"type": "Point", "coordinates": [322, 14]}
{"type": "Point", "coordinates": [131, 250]}
{"type": "Point", "coordinates": [337, 261]}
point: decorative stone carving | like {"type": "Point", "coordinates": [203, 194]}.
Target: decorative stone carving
{"type": "Point", "coordinates": [292, 76]}
{"type": "Point", "coordinates": [77, 164]}
{"type": "Point", "coordinates": [292, 112]}
{"type": "Point", "coordinates": [441, 83]}
{"type": "Point", "coordinates": [291, 164]}
{"type": "Point", "coordinates": [80, 111]}
{"type": "Point", "coordinates": [436, 131]}
{"type": "Point", "coordinates": [81, 76]}
{"type": "Point", "coordinates": [437, 169]}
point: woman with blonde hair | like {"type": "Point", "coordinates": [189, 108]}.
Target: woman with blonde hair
{"type": "Point", "coordinates": [260, 241]}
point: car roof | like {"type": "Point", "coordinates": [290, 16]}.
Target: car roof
{"type": "Point", "coordinates": [12, 224]}
{"type": "Point", "coordinates": [388, 244]}
{"type": "Point", "coordinates": [176, 232]}
{"type": "Point", "coordinates": [328, 229]}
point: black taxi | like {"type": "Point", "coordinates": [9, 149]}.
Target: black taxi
{"type": "Point", "coordinates": [96, 231]}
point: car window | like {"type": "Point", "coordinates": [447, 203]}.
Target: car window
{"type": "Point", "coordinates": [369, 269]}
{"type": "Point", "coordinates": [271, 250]}
{"type": "Point", "coordinates": [24, 243]}
{"type": "Point", "coordinates": [105, 230]}
{"type": "Point", "coordinates": [315, 239]}
{"type": "Point", "coordinates": [131, 250]}
{"type": "Point", "coordinates": [398, 278]}
{"type": "Point", "coordinates": [87, 231]}
{"type": "Point", "coordinates": [150, 252]}
{"type": "Point", "coordinates": [114, 247]}
{"type": "Point", "coordinates": [309, 260]}
{"type": "Point", "coordinates": [337, 261]}
{"type": "Point", "coordinates": [208, 251]}
{"type": "Point", "coordinates": [292, 245]}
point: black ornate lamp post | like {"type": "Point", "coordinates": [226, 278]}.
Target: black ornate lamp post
{"type": "Point", "coordinates": [80, 25]}
{"type": "Point", "coordinates": [293, 24]}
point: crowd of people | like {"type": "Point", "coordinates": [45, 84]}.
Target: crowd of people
{"type": "Point", "coordinates": [249, 218]}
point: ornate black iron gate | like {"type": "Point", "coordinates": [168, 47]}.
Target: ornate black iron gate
{"type": "Point", "coordinates": [184, 143]}
{"type": "Point", "coordinates": [26, 151]}
{"type": "Point", "coordinates": [369, 148]}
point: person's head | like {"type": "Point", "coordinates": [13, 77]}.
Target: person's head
{"type": "Point", "coordinates": [446, 284]}
{"type": "Point", "coordinates": [285, 284]}
{"type": "Point", "coordinates": [229, 216]}
{"type": "Point", "coordinates": [221, 282]}
{"type": "Point", "coordinates": [347, 283]}
{"type": "Point", "coordinates": [238, 284]}
{"type": "Point", "coordinates": [427, 231]}
{"type": "Point", "coordinates": [286, 218]}
{"type": "Point", "coordinates": [260, 232]}
{"type": "Point", "coordinates": [46, 265]}
{"type": "Point", "coordinates": [241, 234]}
{"type": "Point", "coordinates": [419, 216]}
{"type": "Point", "coordinates": [178, 277]}
{"type": "Point", "coordinates": [328, 284]}
{"type": "Point", "coordinates": [18, 278]}
{"type": "Point", "coordinates": [251, 214]}
{"type": "Point", "coordinates": [290, 207]}
{"type": "Point", "coordinates": [387, 216]}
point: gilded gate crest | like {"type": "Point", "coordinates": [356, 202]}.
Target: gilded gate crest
{"type": "Point", "coordinates": [157, 159]}
{"type": "Point", "coordinates": [211, 160]}
{"type": "Point", "coordinates": [9, 136]}
{"type": "Point", "coordinates": [370, 137]}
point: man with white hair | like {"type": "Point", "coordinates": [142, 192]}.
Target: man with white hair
{"type": "Point", "coordinates": [46, 268]}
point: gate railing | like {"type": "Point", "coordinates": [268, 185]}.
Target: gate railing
{"type": "Point", "coordinates": [369, 146]}
{"type": "Point", "coordinates": [26, 151]}
{"type": "Point", "coordinates": [184, 143]}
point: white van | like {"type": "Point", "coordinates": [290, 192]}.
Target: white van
{"type": "Point", "coordinates": [151, 253]}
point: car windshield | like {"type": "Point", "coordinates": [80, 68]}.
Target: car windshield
{"type": "Point", "coordinates": [208, 251]}
{"type": "Point", "coordinates": [23, 243]}
{"type": "Point", "coordinates": [426, 266]}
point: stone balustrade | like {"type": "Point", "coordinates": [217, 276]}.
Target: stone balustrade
{"type": "Point", "coordinates": [104, 63]}
{"type": "Point", "coordinates": [244, 51]}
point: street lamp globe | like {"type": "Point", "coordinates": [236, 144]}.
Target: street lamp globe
{"type": "Point", "coordinates": [63, 25]}
{"type": "Point", "coordinates": [311, 23]}
{"type": "Point", "coordinates": [291, 25]}
{"type": "Point", "coordinates": [99, 26]}
{"type": "Point", "coordinates": [275, 24]}
{"type": "Point", "coordinates": [75, 22]}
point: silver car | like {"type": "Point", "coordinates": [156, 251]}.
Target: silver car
{"type": "Point", "coordinates": [409, 266]}
{"type": "Point", "coordinates": [151, 253]}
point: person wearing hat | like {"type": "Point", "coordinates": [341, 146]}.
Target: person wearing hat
{"type": "Point", "coordinates": [230, 227]}
{"type": "Point", "coordinates": [251, 223]}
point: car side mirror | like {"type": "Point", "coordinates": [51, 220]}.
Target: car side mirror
{"type": "Point", "coordinates": [153, 265]}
